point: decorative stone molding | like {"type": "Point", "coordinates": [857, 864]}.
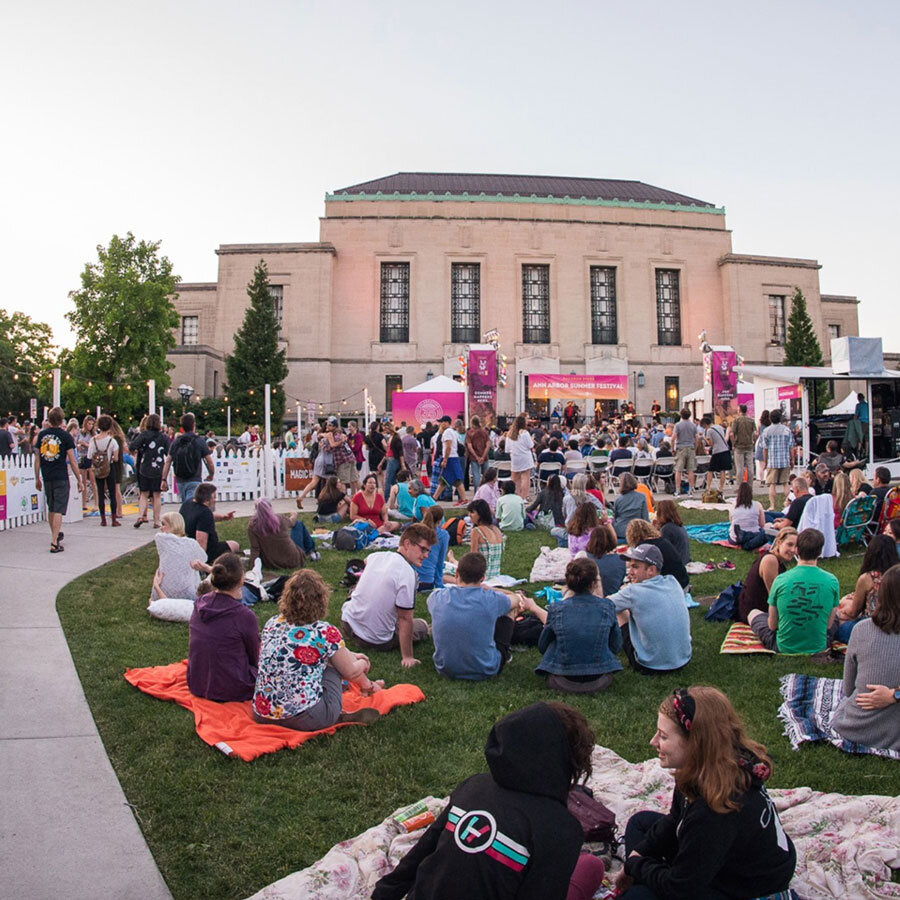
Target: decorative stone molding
{"type": "Point", "coordinates": [394, 352]}
{"type": "Point", "coordinates": [660, 353]}
{"type": "Point", "coordinates": [536, 351]}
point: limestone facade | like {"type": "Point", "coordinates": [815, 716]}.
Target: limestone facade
{"type": "Point", "coordinates": [331, 291]}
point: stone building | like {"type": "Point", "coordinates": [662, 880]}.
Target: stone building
{"type": "Point", "coordinates": [578, 275]}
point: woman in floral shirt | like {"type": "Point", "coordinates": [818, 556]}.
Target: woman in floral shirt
{"type": "Point", "coordinates": [303, 661]}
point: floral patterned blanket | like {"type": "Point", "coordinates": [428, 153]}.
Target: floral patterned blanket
{"type": "Point", "coordinates": [845, 845]}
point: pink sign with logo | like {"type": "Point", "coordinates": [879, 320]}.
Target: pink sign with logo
{"type": "Point", "coordinates": [415, 408]}
{"type": "Point", "coordinates": [482, 385]}
{"type": "Point", "coordinates": [789, 392]}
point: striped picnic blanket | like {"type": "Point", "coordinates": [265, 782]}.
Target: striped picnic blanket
{"type": "Point", "coordinates": [741, 639]}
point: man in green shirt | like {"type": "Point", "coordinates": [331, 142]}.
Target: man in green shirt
{"type": "Point", "coordinates": [802, 603]}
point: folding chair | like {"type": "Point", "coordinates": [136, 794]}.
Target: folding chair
{"type": "Point", "coordinates": [855, 521]}
{"type": "Point", "coordinates": [703, 464]}
{"type": "Point", "coordinates": [574, 467]}
{"type": "Point", "coordinates": [643, 470]}
{"type": "Point", "coordinates": [544, 471]}
{"type": "Point", "coordinates": [664, 473]}
{"type": "Point", "coordinates": [504, 470]}
{"type": "Point", "coordinates": [617, 469]}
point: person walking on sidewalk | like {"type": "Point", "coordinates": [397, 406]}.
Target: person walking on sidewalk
{"type": "Point", "coordinates": [103, 452]}
{"type": "Point", "coordinates": [56, 449]}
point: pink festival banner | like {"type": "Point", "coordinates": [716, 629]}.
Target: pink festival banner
{"type": "Point", "coordinates": [416, 408]}
{"type": "Point", "coordinates": [724, 383]}
{"type": "Point", "coordinates": [789, 392]}
{"type": "Point", "coordinates": [576, 387]}
{"type": "Point", "coordinates": [482, 379]}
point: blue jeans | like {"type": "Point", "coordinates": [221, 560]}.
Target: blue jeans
{"type": "Point", "coordinates": [302, 538]}
{"type": "Point", "coordinates": [476, 470]}
{"type": "Point", "coordinates": [186, 489]}
{"type": "Point", "coordinates": [561, 535]}
{"type": "Point", "coordinates": [390, 473]}
{"type": "Point", "coordinates": [750, 540]}
{"type": "Point", "coordinates": [845, 629]}
{"type": "Point", "coordinates": [334, 518]}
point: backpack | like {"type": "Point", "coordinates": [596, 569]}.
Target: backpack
{"type": "Point", "coordinates": [153, 456]}
{"type": "Point", "coordinates": [352, 572]}
{"type": "Point", "coordinates": [725, 606]}
{"type": "Point", "coordinates": [455, 526]}
{"type": "Point", "coordinates": [100, 460]}
{"type": "Point", "coordinates": [357, 536]}
{"type": "Point", "coordinates": [186, 456]}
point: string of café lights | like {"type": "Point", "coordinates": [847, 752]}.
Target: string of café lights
{"type": "Point", "coordinates": [324, 405]}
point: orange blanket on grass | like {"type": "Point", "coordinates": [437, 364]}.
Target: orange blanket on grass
{"type": "Point", "coordinates": [230, 727]}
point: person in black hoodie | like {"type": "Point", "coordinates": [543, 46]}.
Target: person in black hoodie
{"type": "Point", "coordinates": [509, 834]}
{"type": "Point", "coordinates": [722, 839]}
{"type": "Point", "coordinates": [223, 641]}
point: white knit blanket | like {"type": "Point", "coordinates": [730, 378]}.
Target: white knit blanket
{"type": "Point", "coordinates": [844, 844]}
{"type": "Point", "coordinates": [550, 564]}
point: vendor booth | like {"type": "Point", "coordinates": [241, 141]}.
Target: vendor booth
{"type": "Point", "coordinates": [429, 401]}
{"type": "Point", "coordinates": [788, 388]}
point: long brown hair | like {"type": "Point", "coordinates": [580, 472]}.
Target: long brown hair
{"type": "Point", "coordinates": [584, 520]}
{"type": "Point", "coordinates": [715, 742]}
{"type": "Point", "coordinates": [666, 512]}
{"type": "Point", "coordinates": [518, 425]}
{"type": "Point", "coordinates": [887, 613]}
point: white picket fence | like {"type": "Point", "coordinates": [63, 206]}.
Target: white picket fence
{"type": "Point", "coordinates": [239, 475]}
{"type": "Point", "coordinates": [21, 503]}
{"type": "Point", "coordinates": [247, 475]}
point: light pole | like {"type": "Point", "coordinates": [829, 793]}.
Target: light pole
{"type": "Point", "coordinates": [185, 390]}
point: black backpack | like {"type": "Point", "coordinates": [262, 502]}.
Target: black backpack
{"type": "Point", "coordinates": [154, 447]}
{"type": "Point", "coordinates": [186, 457]}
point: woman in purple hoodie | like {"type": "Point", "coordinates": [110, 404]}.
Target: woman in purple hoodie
{"type": "Point", "coordinates": [223, 647]}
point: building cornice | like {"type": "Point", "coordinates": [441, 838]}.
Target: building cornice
{"type": "Point", "coordinates": [195, 286]}
{"type": "Point", "coordinates": [838, 298]}
{"type": "Point", "coordinates": [228, 249]}
{"type": "Point", "coordinates": [356, 217]}
{"type": "Point", "coordinates": [742, 259]}
{"type": "Point", "coordinates": [466, 197]}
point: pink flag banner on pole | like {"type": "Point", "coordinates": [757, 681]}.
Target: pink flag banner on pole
{"type": "Point", "coordinates": [482, 385]}
{"type": "Point", "coordinates": [416, 408]}
{"type": "Point", "coordinates": [724, 384]}
{"type": "Point", "coordinates": [577, 387]}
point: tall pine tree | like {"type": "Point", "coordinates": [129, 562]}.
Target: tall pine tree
{"type": "Point", "coordinates": [256, 360]}
{"type": "Point", "coordinates": [802, 348]}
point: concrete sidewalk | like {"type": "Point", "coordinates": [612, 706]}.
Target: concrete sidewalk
{"type": "Point", "coordinates": [65, 825]}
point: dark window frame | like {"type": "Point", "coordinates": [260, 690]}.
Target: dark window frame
{"type": "Point", "coordinates": [276, 292]}
{"type": "Point", "coordinates": [195, 320]}
{"type": "Point", "coordinates": [668, 307]}
{"type": "Point", "coordinates": [392, 383]}
{"type": "Point", "coordinates": [671, 380]}
{"type": "Point", "coordinates": [535, 303]}
{"type": "Point", "coordinates": [465, 303]}
{"type": "Point", "coordinates": [394, 304]}
{"type": "Point", "coordinates": [777, 319]}
{"type": "Point", "coordinates": [604, 314]}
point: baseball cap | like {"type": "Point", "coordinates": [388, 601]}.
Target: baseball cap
{"type": "Point", "coordinates": [332, 420]}
{"type": "Point", "coordinates": [646, 553]}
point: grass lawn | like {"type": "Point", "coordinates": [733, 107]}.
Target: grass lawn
{"type": "Point", "coordinates": [219, 827]}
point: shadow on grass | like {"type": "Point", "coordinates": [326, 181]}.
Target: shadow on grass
{"type": "Point", "coordinates": [222, 828]}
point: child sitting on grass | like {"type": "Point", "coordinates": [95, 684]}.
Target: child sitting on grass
{"type": "Point", "coordinates": [510, 509]}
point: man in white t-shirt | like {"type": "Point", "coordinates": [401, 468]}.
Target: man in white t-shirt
{"type": "Point", "coordinates": [451, 465]}
{"type": "Point", "coordinates": [379, 613]}
{"type": "Point", "coordinates": [244, 438]}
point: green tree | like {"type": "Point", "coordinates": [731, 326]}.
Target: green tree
{"type": "Point", "coordinates": [257, 360]}
{"type": "Point", "coordinates": [802, 348]}
{"type": "Point", "coordinates": [124, 323]}
{"type": "Point", "coordinates": [26, 348]}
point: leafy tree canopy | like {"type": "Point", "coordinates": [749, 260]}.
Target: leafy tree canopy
{"type": "Point", "coordinates": [124, 323]}
{"type": "Point", "coordinates": [257, 359]}
{"type": "Point", "coordinates": [26, 347]}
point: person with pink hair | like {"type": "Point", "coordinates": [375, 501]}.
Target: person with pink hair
{"type": "Point", "coordinates": [280, 541]}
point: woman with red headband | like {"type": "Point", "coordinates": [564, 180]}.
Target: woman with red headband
{"type": "Point", "coordinates": [722, 837]}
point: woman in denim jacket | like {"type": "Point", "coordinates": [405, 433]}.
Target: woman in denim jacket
{"type": "Point", "coordinates": [581, 636]}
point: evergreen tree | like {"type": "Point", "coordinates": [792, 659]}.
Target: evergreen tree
{"type": "Point", "coordinates": [256, 360]}
{"type": "Point", "coordinates": [801, 348]}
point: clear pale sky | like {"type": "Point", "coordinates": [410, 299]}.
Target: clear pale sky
{"type": "Point", "coordinates": [201, 123]}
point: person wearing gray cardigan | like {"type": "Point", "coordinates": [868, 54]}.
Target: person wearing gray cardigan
{"type": "Point", "coordinates": [869, 714]}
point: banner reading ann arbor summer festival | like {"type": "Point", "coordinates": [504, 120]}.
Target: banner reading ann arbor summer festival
{"type": "Point", "coordinates": [416, 408]}
{"type": "Point", "coordinates": [482, 384]}
{"type": "Point", "coordinates": [578, 387]}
